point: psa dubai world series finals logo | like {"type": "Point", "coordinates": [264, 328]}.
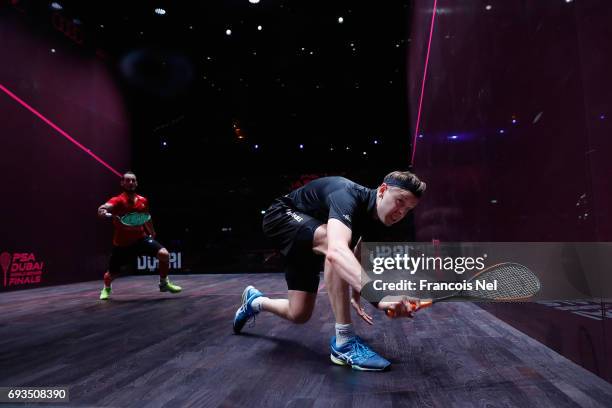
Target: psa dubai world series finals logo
{"type": "Point", "coordinates": [20, 268]}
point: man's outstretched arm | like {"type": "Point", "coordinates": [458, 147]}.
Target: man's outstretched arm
{"type": "Point", "coordinates": [340, 255]}
{"type": "Point", "coordinates": [345, 263]}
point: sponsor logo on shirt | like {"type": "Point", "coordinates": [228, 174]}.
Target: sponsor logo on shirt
{"type": "Point", "coordinates": [295, 216]}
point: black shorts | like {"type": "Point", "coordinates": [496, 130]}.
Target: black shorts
{"type": "Point", "coordinates": [292, 232]}
{"type": "Point", "coordinates": [125, 255]}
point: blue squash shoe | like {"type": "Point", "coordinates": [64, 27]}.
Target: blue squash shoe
{"type": "Point", "coordinates": [357, 355]}
{"type": "Point", "coordinates": [245, 312]}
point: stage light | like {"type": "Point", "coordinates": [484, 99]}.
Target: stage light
{"type": "Point", "coordinates": [263, 212]}
{"type": "Point", "coordinates": [488, 7]}
{"type": "Point", "coordinates": [160, 11]}
{"type": "Point", "coordinates": [259, 28]}
{"type": "Point", "coordinates": [301, 146]}
{"type": "Point", "coordinates": [376, 142]}
{"type": "Point", "coordinates": [514, 121]}
{"type": "Point", "coordinates": [257, 146]}
{"type": "Point", "coordinates": [502, 131]}
{"type": "Point", "coordinates": [537, 117]}
{"type": "Point", "coordinates": [228, 32]}
{"type": "Point", "coordinates": [340, 20]}
{"type": "Point", "coordinates": [56, 6]}
{"type": "Point", "coordinates": [254, 1]}
{"type": "Point", "coordinates": [52, 50]}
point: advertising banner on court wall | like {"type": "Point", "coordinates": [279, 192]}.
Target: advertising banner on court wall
{"type": "Point", "coordinates": [487, 271]}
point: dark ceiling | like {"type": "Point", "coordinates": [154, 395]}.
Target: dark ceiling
{"type": "Point", "coordinates": [195, 93]}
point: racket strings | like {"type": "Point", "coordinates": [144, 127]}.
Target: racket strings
{"type": "Point", "coordinates": [514, 281]}
{"type": "Point", "coordinates": [135, 219]}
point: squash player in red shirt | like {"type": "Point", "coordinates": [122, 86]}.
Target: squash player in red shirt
{"type": "Point", "coordinates": [131, 242]}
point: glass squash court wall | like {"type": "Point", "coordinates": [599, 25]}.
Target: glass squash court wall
{"type": "Point", "coordinates": [514, 140]}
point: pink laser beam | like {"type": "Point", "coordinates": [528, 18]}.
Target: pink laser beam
{"type": "Point", "coordinates": [418, 121]}
{"type": "Point", "coordinates": [58, 129]}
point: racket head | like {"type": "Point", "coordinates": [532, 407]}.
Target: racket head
{"type": "Point", "coordinates": [135, 219]}
{"type": "Point", "coordinates": [515, 282]}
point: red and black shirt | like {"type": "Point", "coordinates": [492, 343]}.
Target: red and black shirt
{"type": "Point", "coordinates": [122, 204]}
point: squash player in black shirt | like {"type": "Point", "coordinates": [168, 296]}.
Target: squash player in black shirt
{"type": "Point", "coordinates": [319, 226]}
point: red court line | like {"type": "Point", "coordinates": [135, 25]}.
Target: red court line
{"type": "Point", "coordinates": [418, 121]}
{"type": "Point", "coordinates": [58, 129]}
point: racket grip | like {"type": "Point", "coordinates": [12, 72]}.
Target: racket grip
{"type": "Point", "coordinates": [425, 303]}
{"type": "Point", "coordinates": [414, 306]}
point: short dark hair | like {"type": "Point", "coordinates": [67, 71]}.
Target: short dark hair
{"type": "Point", "coordinates": [407, 181]}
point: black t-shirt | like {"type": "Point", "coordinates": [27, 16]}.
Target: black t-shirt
{"type": "Point", "coordinates": [346, 201]}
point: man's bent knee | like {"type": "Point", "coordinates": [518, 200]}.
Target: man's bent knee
{"type": "Point", "coordinates": [301, 317]}
{"type": "Point", "coordinates": [319, 241]}
{"type": "Point", "coordinates": [163, 255]}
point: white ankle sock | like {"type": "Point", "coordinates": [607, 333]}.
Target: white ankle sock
{"type": "Point", "coordinates": [344, 333]}
{"type": "Point", "coordinates": [257, 303]}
